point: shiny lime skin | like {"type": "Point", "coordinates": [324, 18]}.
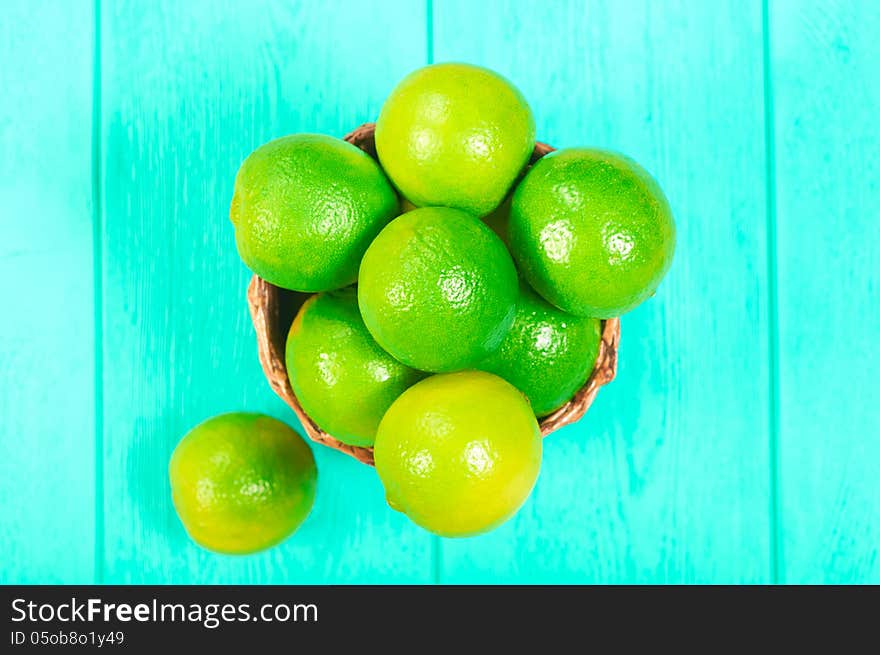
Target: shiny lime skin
{"type": "Point", "coordinates": [547, 354]}
{"type": "Point", "coordinates": [437, 289]}
{"type": "Point", "coordinates": [459, 453]}
{"type": "Point", "coordinates": [340, 375]}
{"type": "Point", "coordinates": [591, 231]}
{"type": "Point", "coordinates": [305, 208]}
{"type": "Point", "coordinates": [455, 135]}
{"type": "Point", "coordinates": [242, 482]}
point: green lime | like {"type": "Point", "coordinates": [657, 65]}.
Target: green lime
{"type": "Point", "coordinates": [548, 354]}
{"type": "Point", "coordinates": [306, 207]}
{"type": "Point", "coordinates": [591, 231]}
{"type": "Point", "coordinates": [340, 375]}
{"type": "Point", "coordinates": [455, 135]}
{"type": "Point", "coordinates": [242, 482]}
{"type": "Point", "coordinates": [437, 289]}
{"type": "Point", "coordinates": [459, 453]}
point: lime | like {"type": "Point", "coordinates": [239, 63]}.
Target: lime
{"type": "Point", "coordinates": [306, 207]}
{"type": "Point", "coordinates": [242, 482]}
{"type": "Point", "coordinates": [459, 453]}
{"type": "Point", "coordinates": [548, 354]}
{"type": "Point", "coordinates": [455, 135]}
{"type": "Point", "coordinates": [591, 231]}
{"type": "Point", "coordinates": [437, 289]}
{"type": "Point", "coordinates": [340, 375]}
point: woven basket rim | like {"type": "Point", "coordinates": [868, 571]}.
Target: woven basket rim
{"type": "Point", "coordinates": [264, 303]}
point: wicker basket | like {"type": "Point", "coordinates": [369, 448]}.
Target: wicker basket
{"type": "Point", "coordinates": [273, 309]}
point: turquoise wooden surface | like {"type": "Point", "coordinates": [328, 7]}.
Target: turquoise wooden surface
{"type": "Point", "coordinates": [666, 478]}
{"type": "Point", "coordinates": [179, 115]}
{"type": "Point", "coordinates": [826, 89]}
{"type": "Point", "coordinates": [741, 441]}
{"type": "Point", "coordinates": [47, 337]}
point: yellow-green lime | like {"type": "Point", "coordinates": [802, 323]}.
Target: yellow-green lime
{"type": "Point", "coordinates": [459, 453]}
{"type": "Point", "coordinates": [548, 354]}
{"type": "Point", "coordinates": [455, 135]}
{"type": "Point", "coordinates": [343, 379]}
{"type": "Point", "coordinates": [306, 207]}
{"type": "Point", "coordinates": [437, 289]}
{"type": "Point", "coordinates": [591, 231]}
{"type": "Point", "coordinates": [242, 482]}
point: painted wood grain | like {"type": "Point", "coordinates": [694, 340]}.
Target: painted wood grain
{"type": "Point", "coordinates": [47, 433]}
{"type": "Point", "coordinates": [189, 89]}
{"type": "Point", "coordinates": [667, 478]}
{"type": "Point", "coordinates": [825, 62]}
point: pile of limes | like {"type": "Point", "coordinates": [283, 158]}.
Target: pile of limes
{"type": "Point", "coordinates": [458, 297]}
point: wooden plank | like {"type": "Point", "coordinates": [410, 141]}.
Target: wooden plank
{"type": "Point", "coordinates": [47, 432]}
{"type": "Point", "coordinates": [667, 478]}
{"type": "Point", "coordinates": [189, 91]}
{"type": "Point", "coordinates": [825, 58]}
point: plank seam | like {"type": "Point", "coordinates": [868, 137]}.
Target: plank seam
{"type": "Point", "coordinates": [776, 554]}
{"type": "Point", "coordinates": [429, 31]}
{"type": "Point", "coordinates": [98, 296]}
